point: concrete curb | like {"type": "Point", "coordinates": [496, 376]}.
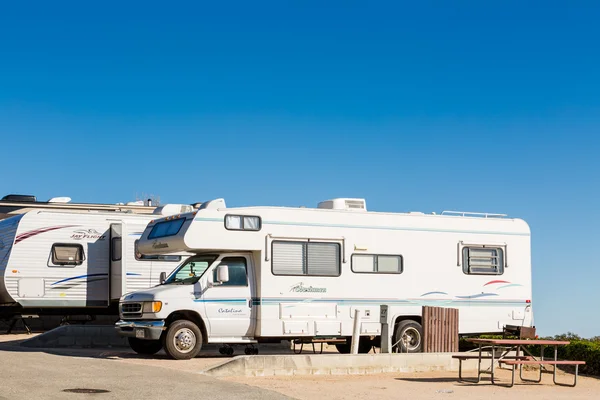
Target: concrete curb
{"type": "Point", "coordinates": [338, 364]}
{"type": "Point", "coordinates": [78, 336]}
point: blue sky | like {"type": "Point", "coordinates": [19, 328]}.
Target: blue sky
{"type": "Point", "coordinates": [415, 106]}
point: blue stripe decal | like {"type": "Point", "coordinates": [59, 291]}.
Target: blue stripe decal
{"type": "Point", "coordinates": [220, 300]}
{"type": "Point", "coordinates": [77, 277]}
{"type": "Point", "coordinates": [275, 301]}
{"type": "Point", "coordinates": [133, 274]}
{"type": "Point", "coordinates": [387, 228]}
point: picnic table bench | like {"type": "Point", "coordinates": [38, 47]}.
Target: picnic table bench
{"type": "Point", "coordinates": [519, 346]}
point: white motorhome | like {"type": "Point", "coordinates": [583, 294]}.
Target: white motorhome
{"type": "Point", "coordinates": [263, 274]}
{"type": "Point", "coordinates": [76, 261]}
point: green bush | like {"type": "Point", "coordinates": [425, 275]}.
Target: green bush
{"type": "Point", "coordinates": [579, 349]}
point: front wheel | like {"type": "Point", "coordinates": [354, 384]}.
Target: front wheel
{"type": "Point", "coordinates": [145, 347]}
{"type": "Point", "coordinates": [183, 340]}
{"type": "Point", "coordinates": [408, 337]}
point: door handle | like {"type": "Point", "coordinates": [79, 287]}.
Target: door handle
{"type": "Point", "coordinates": [250, 303]}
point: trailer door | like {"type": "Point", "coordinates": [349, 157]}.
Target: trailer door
{"type": "Point", "coordinates": [118, 270]}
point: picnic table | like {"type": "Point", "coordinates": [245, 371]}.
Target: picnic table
{"type": "Point", "coordinates": [521, 357]}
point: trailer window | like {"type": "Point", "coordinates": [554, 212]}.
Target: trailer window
{"type": "Point", "coordinates": [115, 251]}
{"type": "Point", "coordinates": [242, 223]}
{"type": "Point", "coordinates": [305, 258]}
{"type": "Point", "coordinates": [154, 257]}
{"type": "Point", "coordinates": [374, 263]}
{"type": "Point", "coordinates": [166, 228]}
{"type": "Point", "coordinates": [483, 261]}
{"type": "Point", "coordinates": [67, 254]}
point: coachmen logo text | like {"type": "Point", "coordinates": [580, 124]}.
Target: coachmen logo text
{"type": "Point", "coordinates": [300, 288]}
{"type": "Point", "coordinates": [81, 234]}
{"type": "Point", "coordinates": [159, 245]}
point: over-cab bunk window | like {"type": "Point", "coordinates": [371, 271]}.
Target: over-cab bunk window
{"type": "Point", "coordinates": [305, 258]}
{"type": "Point", "coordinates": [166, 228]}
{"type": "Point", "coordinates": [66, 255]}
{"type": "Point", "coordinates": [483, 260]}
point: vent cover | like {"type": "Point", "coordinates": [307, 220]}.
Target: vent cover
{"type": "Point", "coordinates": [344, 204]}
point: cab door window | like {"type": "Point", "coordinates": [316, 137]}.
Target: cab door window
{"type": "Point", "coordinates": [238, 274]}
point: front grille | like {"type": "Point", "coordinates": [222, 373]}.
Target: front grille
{"type": "Point", "coordinates": [131, 309]}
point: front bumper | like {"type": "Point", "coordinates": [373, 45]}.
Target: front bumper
{"type": "Point", "coordinates": [148, 330]}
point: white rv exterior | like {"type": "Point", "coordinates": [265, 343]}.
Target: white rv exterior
{"type": "Point", "coordinates": [272, 273]}
{"type": "Point", "coordinates": [70, 260]}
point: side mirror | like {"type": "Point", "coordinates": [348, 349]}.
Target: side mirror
{"type": "Point", "coordinates": [163, 277]}
{"type": "Point", "coordinates": [223, 273]}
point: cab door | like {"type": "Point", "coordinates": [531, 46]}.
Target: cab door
{"type": "Point", "coordinates": [228, 305]}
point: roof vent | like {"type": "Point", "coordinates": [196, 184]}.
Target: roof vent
{"type": "Point", "coordinates": [20, 198]}
{"type": "Point", "coordinates": [344, 204]}
{"type": "Point", "coordinates": [213, 204]}
{"type": "Point", "coordinates": [59, 200]}
{"type": "Point", "coordinates": [172, 209]}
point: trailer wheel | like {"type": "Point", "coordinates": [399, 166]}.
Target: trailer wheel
{"type": "Point", "coordinates": [408, 337]}
{"type": "Point", "coordinates": [183, 340]}
{"type": "Point", "coordinates": [145, 347]}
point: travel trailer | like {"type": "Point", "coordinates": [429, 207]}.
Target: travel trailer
{"type": "Point", "coordinates": [14, 204]}
{"type": "Point", "coordinates": [76, 261]}
{"type": "Point", "coordinates": [264, 274]}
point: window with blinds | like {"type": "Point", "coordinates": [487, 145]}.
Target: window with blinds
{"type": "Point", "coordinates": [305, 258]}
{"type": "Point", "coordinates": [483, 260]}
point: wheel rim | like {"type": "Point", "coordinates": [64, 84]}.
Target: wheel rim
{"type": "Point", "coordinates": [184, 340]}
{"type": "Point", "coordinates": [411, 338]}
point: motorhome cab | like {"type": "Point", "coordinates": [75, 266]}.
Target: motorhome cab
{"type": "Point", "coordinates": [263, 274]}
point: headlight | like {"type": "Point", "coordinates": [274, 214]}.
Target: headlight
{"type": "Point", "coordinates": [152, 306]}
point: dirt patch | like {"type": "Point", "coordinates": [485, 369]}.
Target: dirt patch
{"type": "Point", "coordinates": [419, 386]}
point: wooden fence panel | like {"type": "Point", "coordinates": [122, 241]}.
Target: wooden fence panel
{"type": "Point", "coordinates": [440, 330]}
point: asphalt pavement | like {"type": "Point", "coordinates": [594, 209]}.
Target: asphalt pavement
{"type": "Point", "coordinates": [26, 374]}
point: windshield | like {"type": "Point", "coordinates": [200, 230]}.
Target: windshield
{"type": "Point", "coordinates": [191, 270]}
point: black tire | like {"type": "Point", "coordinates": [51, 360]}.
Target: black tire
{"type": "Point", "coordinates": [408, 337]}
{"type": "Point", "coordinates": [364, 346]}
{"type": "Point", "coordinates": [145, 347]}
{"type": "Point", "coordinates": [183, 340]}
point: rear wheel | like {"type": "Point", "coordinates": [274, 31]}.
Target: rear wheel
{"type": "Point", "coordinates": [146, 347]}
{"type": "Point", "coordinates": [183, 340]}
{"type": "Point", "coordinates": [408, 337]}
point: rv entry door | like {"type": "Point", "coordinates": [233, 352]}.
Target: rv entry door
{"type": "Point", "coordinates": [118, 271]}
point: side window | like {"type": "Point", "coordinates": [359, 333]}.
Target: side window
{"type": "Point", "coordinates": [115, 249]}
{"type": "Point", "coordinates": [374, 263]}
{"type": "Point", "coordinates": [242, 223]}
{"type": "Point", "coordinates": [66, 255]}
{"type": "Point", "coordinates": [238, 275]}
{"type": "Point", "coordinates": [483, 260]}
{"type": "Point", "coordinates": [305, 258]}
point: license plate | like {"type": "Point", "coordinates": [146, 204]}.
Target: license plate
{"type": "Point", "coordinates": [139, 333]}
